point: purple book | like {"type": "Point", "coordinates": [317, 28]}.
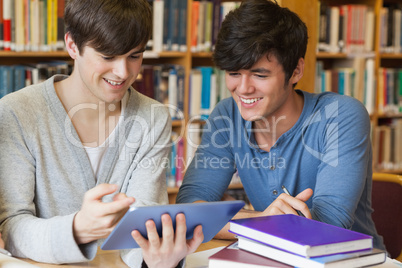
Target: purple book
{"type": "Point", "coordinates": [300, 235]}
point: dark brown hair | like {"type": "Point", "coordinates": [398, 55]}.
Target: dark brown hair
{"type": "Point", "coordinates": [111, 27]}
{"type": "Point", "coordinates": [258, 28]}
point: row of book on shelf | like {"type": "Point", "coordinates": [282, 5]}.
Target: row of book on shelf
{"type": "Point", "coordinates": [207, 16]}
{"type": "Point", "coordinates": [352, 77]}
{"type": "Point", "coordinates": [15, 77]}
{"type": "Point", "coordinates": [391, 28]}
{"type": "Point", "coordinates": [170, 24]}
{"type": "Point", "coordinates": [347, 28]}
{"type": "Point", "coordinates": [350, 28]}
{"type": "Point", "coordinates": [290, 240]}
{"type": "Point", "coordinates": [34, 25]}
{"type": "Point", "coordinates": [356, 77]}
{"type": "Point", "coordinates": [165, 83]}
{"type": "Point", "coordinates": [388, 144]}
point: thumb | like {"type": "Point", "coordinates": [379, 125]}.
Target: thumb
{"type": "Point", "coordinates": [305, 195]}
{"type": "Point", "coordinates": [197, 239]}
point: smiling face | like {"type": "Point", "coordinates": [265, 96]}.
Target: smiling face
{"type": "Point", "coordinates": [261, 91]}
{"type": "Point", "coordinates": [104, 78]}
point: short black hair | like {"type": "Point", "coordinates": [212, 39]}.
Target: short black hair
{"type": "Point", "coordinates": [260, 28]}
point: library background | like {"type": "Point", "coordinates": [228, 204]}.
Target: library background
{"type": "Point", "coordinates": [355, 48]}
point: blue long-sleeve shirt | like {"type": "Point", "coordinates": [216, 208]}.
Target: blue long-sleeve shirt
{"type": "Point", "coordinates": [327, 150]}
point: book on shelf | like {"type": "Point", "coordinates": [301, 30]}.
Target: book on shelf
{"type": "Point", "coordinates": [7, 10]}
{"type": "Point", "coordinates": [207, 17]}
{"type": "Point", "coordinates": [233, 257]}
{"type": "Point", "coordinates": [352, 77]}
{"type": "Point", "coordinates": [164, 83]}
{"type": "Point", "coordinates": [32, 25]}
{"type": "Point", "coordinates": [15, 77]}
{"type": "Point", "coordinates": [176, 163]}
{"type": "Point", "coordinates": [157, 26]}
{"type": "Point", "coordinates": [6, 80]}
{"type": "Point", "coordinates": [182, 28]}
{"type": "Point", "coordinates": [360, 258]}
{"type": "Point", "coordinates": [388, 153]}
{"type": "Point", "coordinates": [301, 236]}
{"type": "Point", "coordinates": [346, 28]}
{"type": "Point", "coordinates": [194, 25]}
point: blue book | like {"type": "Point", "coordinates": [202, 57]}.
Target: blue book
{"type": "Point", "coordinates": [341, 82]}
{"type": "Point", "coordinates": [301, 236]}
{"type": "Point", "coordinates": [19, 77]}
{"type": "Point", "coordinates": [182, 25]}
{"type": "Point", "coordinates": [166, 14]}
{"type": "Point", "coordinates": [206, 73]}
{"type": "Point", "coordinates": [173, 33]}
{"type": "Point", "coordinates": [6, 80]}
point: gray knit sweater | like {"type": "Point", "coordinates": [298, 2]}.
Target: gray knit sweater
{"type": "Point", "coordinates": [45, 171]}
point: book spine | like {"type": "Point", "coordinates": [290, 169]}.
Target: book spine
{"type": "Point", "coordinates": [6, 80]}
{"type": "Point", "coordinates": [157, 30]}
{"type": "Point", "coordinates": [183, 26]}
{"type": "Point", "coordinates": [206, 73]}
{"type": "Point", "coordinates": [174, 25]}
{"type": "Point", "coordinates": [1, 26]}
{"type": "Point", "coordinates": [19, 77]}
{"type": "Point", "coordinates": [19, 26]}
{"type": "Point", "coordinates": [194, 25]}
{"type": "Point", "coordinates": [60, 25]}
{"type": "Point", "coordinates": [180, 162]}
{"type": "Point", "coordinates": [172, 92]}
{"type": "Point", "coordinates": [166, 14]}
{"type": "Point", "coordinates": [201, 26]}
{"type": "Point", "coordinates": [7, 24]}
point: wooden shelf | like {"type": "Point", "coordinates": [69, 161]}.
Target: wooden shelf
{"type": "Point", "coordinates": [327, 55]}
{"type": "Point", "coordinates": [34, 54]}
{"type": "Point", "coordinates": [201, 54]}
{"type": "Point", "coordinates": [393, 56]}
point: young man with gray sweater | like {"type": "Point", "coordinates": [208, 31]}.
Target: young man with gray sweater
{"type": "Point", "coordinates": [76, 151]}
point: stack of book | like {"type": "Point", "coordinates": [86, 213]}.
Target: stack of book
{"type": "Point", "coordinates": [302, 242]}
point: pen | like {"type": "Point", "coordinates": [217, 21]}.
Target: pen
{"type": "Point", "coordinates": [287, 192]}
{"type": "Point", "coordinates": [5, 252]}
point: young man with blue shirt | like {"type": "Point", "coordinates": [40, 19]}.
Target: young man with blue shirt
{"type": "Point", "coordinates": [316, 145]}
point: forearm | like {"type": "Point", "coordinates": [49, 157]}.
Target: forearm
{"type": "Point", "coordinates": [45, 240]}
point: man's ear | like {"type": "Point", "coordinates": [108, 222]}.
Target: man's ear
{"type": "Point", "coordinates": [298, 72]}
{"type": "Point", "coordinates": [71, 47]}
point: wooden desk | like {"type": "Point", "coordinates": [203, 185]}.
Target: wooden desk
{"type": "Point", "coordinates": [111, 258]}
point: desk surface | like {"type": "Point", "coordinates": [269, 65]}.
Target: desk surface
{"type": "Point", "coordinates": [111, 258]}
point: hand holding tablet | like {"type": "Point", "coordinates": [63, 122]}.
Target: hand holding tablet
{"type": "Point", "coordinates": [211, 215]}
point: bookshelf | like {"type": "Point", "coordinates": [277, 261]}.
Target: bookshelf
{"type": "Point", "coordinates": [386, 55]}
{"type": "Point", "coordinates": [308, 10]}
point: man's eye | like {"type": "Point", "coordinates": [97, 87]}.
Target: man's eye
{"type": "Point", "coordinates": [233, 74]}
{"type": "Point", "coordinates": [107, 57]}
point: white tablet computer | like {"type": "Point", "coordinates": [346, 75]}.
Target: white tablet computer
{"type": "Point", "coordinates": [211, 215]}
